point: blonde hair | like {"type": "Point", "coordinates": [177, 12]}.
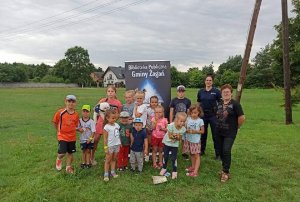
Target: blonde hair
{"type": "Point", "coordinates": [180, 114]}
{"type": "Point", "coordinates": [132, 92]}
{"type": "Point", "coordinates": [160, 107]}
{"type": "Point", "coordinates": [139, 92]}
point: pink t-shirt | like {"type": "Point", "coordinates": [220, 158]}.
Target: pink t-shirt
{"type": "Point", "coordinates": [160, 123]}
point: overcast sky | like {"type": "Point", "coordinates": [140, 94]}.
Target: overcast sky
{"type": "Point", "coordinates": [189, 33]}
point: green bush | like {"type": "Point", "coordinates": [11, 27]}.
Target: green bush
{"type": "Point", "coordinates": [52, 79]}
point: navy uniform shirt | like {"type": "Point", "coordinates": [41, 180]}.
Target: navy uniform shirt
{"type": "Point", "coordinates": [208, 100]}
{"type": "Point", "coordinates": [138, 140]}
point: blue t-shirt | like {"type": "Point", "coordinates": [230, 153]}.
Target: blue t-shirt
{"type": "Point", "coordinates": [193, 124]}
{"type": "Point", "coordinates": [128, 108]}
{"type": "Point", "coordinates": [138, 140]}
{"type": "Point", "coordinates": [209, 100]}
{"type": "Point", "coordinates": [172, 129]}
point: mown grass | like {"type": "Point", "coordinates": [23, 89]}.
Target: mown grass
{"type": "Point", "coordinates": [265, 164]}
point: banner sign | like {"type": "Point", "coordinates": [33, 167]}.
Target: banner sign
{"type": "Point", "coordinates": [154, 77]}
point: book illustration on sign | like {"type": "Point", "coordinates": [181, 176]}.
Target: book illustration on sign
{"type": "Point", "coordinates": [149, 88]}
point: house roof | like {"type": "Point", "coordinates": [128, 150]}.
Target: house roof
{"type": "Point", "coordinates": [118, 71]}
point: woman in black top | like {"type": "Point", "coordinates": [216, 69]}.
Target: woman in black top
{"type": "Point", "coordinates": [230, 117]}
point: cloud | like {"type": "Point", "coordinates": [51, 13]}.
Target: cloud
{"type": "Point", "coordinates": [190, 32]}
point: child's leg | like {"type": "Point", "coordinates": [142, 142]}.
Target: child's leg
{"type": "Point", "coordinates": [113, 162]}
{"type": "Point", "coordinates": [132, 160]}
{"type": "Point", "coordinates": [121, 157]}
{"type": "Point", "coordinates": [196, 163]}
{"type": "Point", "coordinates": [174, 158]}
{"type": "Point", "coordinates": [193, 160]}
{"type": "Point", "coordinates": [83, 159]}
{"type": "Point", "coordinates": [108, 158]}
{"type": "Point", "coordinates": [96, 142]}
{"type": "Point", "coordinates": [154, 151]}
{"type": "Point", "coordinates": [88, 156]}
{"type": "Point", "coordinates": [160, 151]}
{"type": "Point", "coordinates": [125, 157]}
{"type": "Point", "coordinates": [140, 160]}
{"type": "Point", "coordinates": [166, 156]}
{"type": "Point", "coordinates": [69, 159]}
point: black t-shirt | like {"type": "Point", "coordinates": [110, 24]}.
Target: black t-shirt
{"type": "Point", "coordinates": [208, 100]}
{"type": "Point", "coordinates": [180, 105]}
{"type": "Point", "coordinates": [227, 118]}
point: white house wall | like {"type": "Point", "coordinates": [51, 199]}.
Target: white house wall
{"type": "Point", "coordinates": [113, 80]}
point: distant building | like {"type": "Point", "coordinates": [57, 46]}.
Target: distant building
{"type": "Point", "coordinates": [97, 77]}
{"type": "Point", "coordinates": [114, 76]}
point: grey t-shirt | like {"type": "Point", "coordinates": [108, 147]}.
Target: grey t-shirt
{"type": "Point", "coordinates": [88, 127]}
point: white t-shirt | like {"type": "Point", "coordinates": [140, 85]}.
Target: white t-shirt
{"type": "Point", "coordinates": [113, 138]}
{"type": "Point", "coordinates": [88, 127]}
{"type": "Point", "coordinates": [142, 109]}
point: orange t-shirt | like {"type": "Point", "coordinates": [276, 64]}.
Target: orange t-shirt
{"type": "Point", "coordinates": [66, 125]}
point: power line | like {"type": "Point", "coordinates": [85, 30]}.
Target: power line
{"type": "Point", "coordinates": [48, 24]}
{"type": "Point", "coordinates": [53, 16]}
{"type": "Point", "coordinates": [93, 17]}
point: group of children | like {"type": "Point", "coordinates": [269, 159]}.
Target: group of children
{"type": "Point", "coordinates": [132, 128]}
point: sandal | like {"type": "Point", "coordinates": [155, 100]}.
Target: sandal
{"type": "Point", "coordinates": [189, 169]}
{"type": "Point", "coordinates": [191, 174]}
{"type": "Point", "coordinates": [225, 177]}
{"type": "Point", "coordinates": [155, 166]}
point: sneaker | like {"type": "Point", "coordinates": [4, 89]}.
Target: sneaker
{"type": "Point", "coordinates": [114, 175]}
{"type": "Point", "coordinates": [58, 164]}
{"type": "Point", "coordinates": [191, 174]}
{"type": "Point", "coordinates": [189, 169]}
{"type": "Point", "coordinates": [94, 162]}
{"type": "Point", "coordinates": [106, 178]}
{"type": "Point", "coordinates": [88, 165]}
{"type": "Point", "coordinates": [125, 168]}
{"type": "Point", "coordinates": [69, 170]}
{"type": "Point", "coordinates": [147, 158]}
{"type": "Point", "coordinates": [162, 172]}
{"type": "Point", "coordinates": [83, 165]}
{"type": "Point", "coordinates": [174, 175]}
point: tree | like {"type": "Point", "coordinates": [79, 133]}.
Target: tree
{"type": "Point", "coordinates": [233, 63]}
{"type": "Point", "coordinates": [80, 67]}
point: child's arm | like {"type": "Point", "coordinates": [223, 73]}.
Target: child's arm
{"type": "Point", "coordinates": [146, 146]}
{"type": "Point", "coordinates": [131, 139]}
{"type": "Point", "coordinates": [171, 115]}
{"type": "Point", "coordinates": [105, 138]}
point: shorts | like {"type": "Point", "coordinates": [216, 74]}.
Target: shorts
{"type": "Point", "coordinates": [156, 142]}
{"type": "Point", "coordinates": [114, 149]}
{"type": "Point", "coordinates": [66, 147]}
{"type": "Point", "coordinates": [85, 146]}
{"type": "Point", "coordinates": [191, 148]}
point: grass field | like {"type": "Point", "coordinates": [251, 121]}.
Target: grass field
{"type": "Point", "coordinates": [265, 164]}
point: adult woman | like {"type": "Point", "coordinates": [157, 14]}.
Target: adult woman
{"type": "Point", "coordinates": [208, 98]}
{"type": "Point", "coordinates": [230, 117]}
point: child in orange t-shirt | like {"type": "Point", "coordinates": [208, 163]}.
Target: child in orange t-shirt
{"type": "Point", "coordinates": [66, 121]}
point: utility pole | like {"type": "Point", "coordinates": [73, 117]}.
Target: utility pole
{"type": "Point", "coordinates": [286, 64]}
{"type": "Point", "coordinates": [248, 50]}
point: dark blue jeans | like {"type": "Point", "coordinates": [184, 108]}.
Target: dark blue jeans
{"type": "Point", "coordinates": [212, 121]}
{"type": "Point", "coordinates": [174, 151]}
{"type": "Point", "coordinates": [225, 151]}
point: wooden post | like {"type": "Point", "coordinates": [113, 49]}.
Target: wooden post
{"type": "Point", "coordinates": [248, 50]}
{"type": "Point", "coordinates": [286, 64]}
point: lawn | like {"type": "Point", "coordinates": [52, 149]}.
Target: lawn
{"type": "Point", "coordinates": [265, 164]}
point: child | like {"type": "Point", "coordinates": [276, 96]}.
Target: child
{"type": "Point", "coordinates": [87, 136]}
{"type": "Point", "coordinates": [140, 109]}
{"type": "Point", "coordinates": [129, 103]}
{"type": "Point", "coordinates": [192, 145]}
{"type": "Point", "coordinates": [159, 125]}
{"type": "Point", "coordinates": [111, 143]}
{"type": "Point", "coordinates": [180, 104]}
{"type": "Point", "coordinates": [65, 122]}
{"type": "Point", "coordinates": [125, 132]}
{"type": "Point", "coordinates": [139, 142]}
{"type": "Point", "coordinates": [171, 140]}
{"type": "Point", "coordinates": [111, 99]}
{"type": "Point", "coordinates": [150, 114]}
